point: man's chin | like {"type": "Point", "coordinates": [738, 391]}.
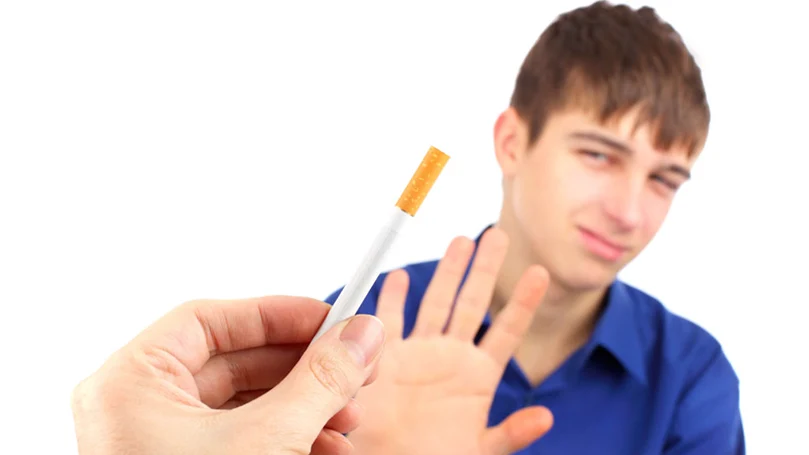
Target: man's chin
{"type": "Point", "coordinates": [589, 276]}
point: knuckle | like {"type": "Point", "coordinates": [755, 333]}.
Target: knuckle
{"type": "Point", "coordinates": [472, 300]}
{"type": "Point", "coordinates": [191, 306]}
{"type": "Point", "coordinates": [99, 392]}
{"type": "Point", "coordinates": [330, 372]}
{"type": "Point", "coordinates": [78, 396]}
{"type": "Point", "coordinates": [456, 265]}
{"type": "Point", "coordinates": [486, 267]}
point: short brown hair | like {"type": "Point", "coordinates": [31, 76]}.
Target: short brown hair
{"type": "Point", "coordinates": [612, 59]}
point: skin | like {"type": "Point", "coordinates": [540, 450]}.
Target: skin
{"type": "Point", "coordinates": [580, 176]}
{"type": "Point", "coordinates": [581, 179]}
{"type": "Point", "coordinates": [437, 383]}
{"type": "Point", "coordinates": [198, 381]}
{"type": "Point", "coordinates": [541, 272]}
{"type": "Point", "coordinates": [214, 377]}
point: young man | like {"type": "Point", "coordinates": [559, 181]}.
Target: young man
{"type": "Point", "coordinates": [543, 350]}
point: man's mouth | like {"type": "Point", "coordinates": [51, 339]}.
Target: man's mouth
{"type": "Point", "coordinates": [601, 246]}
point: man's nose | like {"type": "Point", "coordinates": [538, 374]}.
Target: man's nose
{"type": "Point", "coordinates": [623, 203]}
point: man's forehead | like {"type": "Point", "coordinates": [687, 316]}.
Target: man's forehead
{"type": "Point", "coordinates": [626, 128]}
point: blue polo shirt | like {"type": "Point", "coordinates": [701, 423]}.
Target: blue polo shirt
{"type": "Point", "coordinates": [646, 382]}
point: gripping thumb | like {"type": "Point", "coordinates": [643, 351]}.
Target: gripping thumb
{"type": "Point", "coordinates": [329, 373]}
{"type": "Point", "coordinates": [518, 431]}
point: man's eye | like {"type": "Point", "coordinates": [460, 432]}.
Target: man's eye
{"type": "Point", "coordinates": [668, 183]}
{"type": "Point", "coordinates": [596, 156]}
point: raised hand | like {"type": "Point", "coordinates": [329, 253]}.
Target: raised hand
{"type": "Point", "coordinates": [435, 388]}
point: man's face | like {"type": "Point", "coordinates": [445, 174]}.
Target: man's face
{"type": "Point", "coordinates": [586, 198]}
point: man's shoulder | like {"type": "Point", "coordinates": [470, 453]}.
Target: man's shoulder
{"type": "Point", "coordinates": [688, 369]}
{"type": "Point", "coordinates": [675, 342]}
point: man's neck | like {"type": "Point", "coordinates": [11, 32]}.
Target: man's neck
{"type": "Point", "coordinates": [566, 317]}
{"type": "Point", "coordinates": [562, 324]}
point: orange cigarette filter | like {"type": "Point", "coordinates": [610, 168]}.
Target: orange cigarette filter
{"type": "Point", "coordinates": [357, 288]}
{"type": "Point", "coordinates": [423, 179]}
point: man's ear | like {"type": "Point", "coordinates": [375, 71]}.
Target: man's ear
{"type": "Point", "coordinates": [510, 136]}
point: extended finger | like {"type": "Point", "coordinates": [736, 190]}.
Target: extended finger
{"type": "Point", "coordinates": [261, 368]}
{"type": "Point", "coordinates": [391, 303]}
{"type": "Point", "coordinates": [196, 331]}
{"type": "Point", "coordinates": [509, 327]}
{"type": "Point", "coordinates": [476, 294]}
{"type": "Point", "coordinates": [517, 431]}
{"type": "Point", "coordinates": [439, 297]}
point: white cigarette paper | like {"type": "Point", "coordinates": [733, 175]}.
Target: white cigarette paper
{"type": "Point", "coordinates": [357, 288]}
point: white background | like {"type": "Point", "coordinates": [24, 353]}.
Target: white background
{"type": "Point", "coordinates": [155, 152]}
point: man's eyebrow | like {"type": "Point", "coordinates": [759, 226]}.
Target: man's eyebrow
{"type": "Point", "coordinates": [605, 140]}
{"type": "Point", "coordinates": [623, 148]}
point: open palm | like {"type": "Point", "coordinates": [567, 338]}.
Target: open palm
{"type": "Point", "coordinates": [435, 388]}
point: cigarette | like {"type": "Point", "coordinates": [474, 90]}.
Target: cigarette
{"type": "Point", "coordinates": [357, 288]}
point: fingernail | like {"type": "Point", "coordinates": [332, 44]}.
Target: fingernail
{"type": "Point", "coordinates": [363, 336]}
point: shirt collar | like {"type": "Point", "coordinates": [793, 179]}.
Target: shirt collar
{"type": "Point", "coordinates": [615, 331]}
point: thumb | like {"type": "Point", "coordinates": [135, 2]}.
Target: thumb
{"type": "Point", "coordinates": [329, 373]}
{"type": "Point", "coordinates": [518, 431]}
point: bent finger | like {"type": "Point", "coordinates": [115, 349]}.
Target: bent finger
{"type": "Point", "coordinates": [347, 420]}
{"type": "Point", "coordinates": [196, 331]}
{"type": "Point", "coordinates": [330, 442]}
{"type": "Point", "coordinates": [252, 369]}
{"type": "Point", "coordinates": [241, 398]}
{"type": "Point", "coordinates": [344, 422]}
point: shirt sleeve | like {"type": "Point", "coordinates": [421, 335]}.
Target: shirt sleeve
{"type": "Point", "coordinates": [708, 418]}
